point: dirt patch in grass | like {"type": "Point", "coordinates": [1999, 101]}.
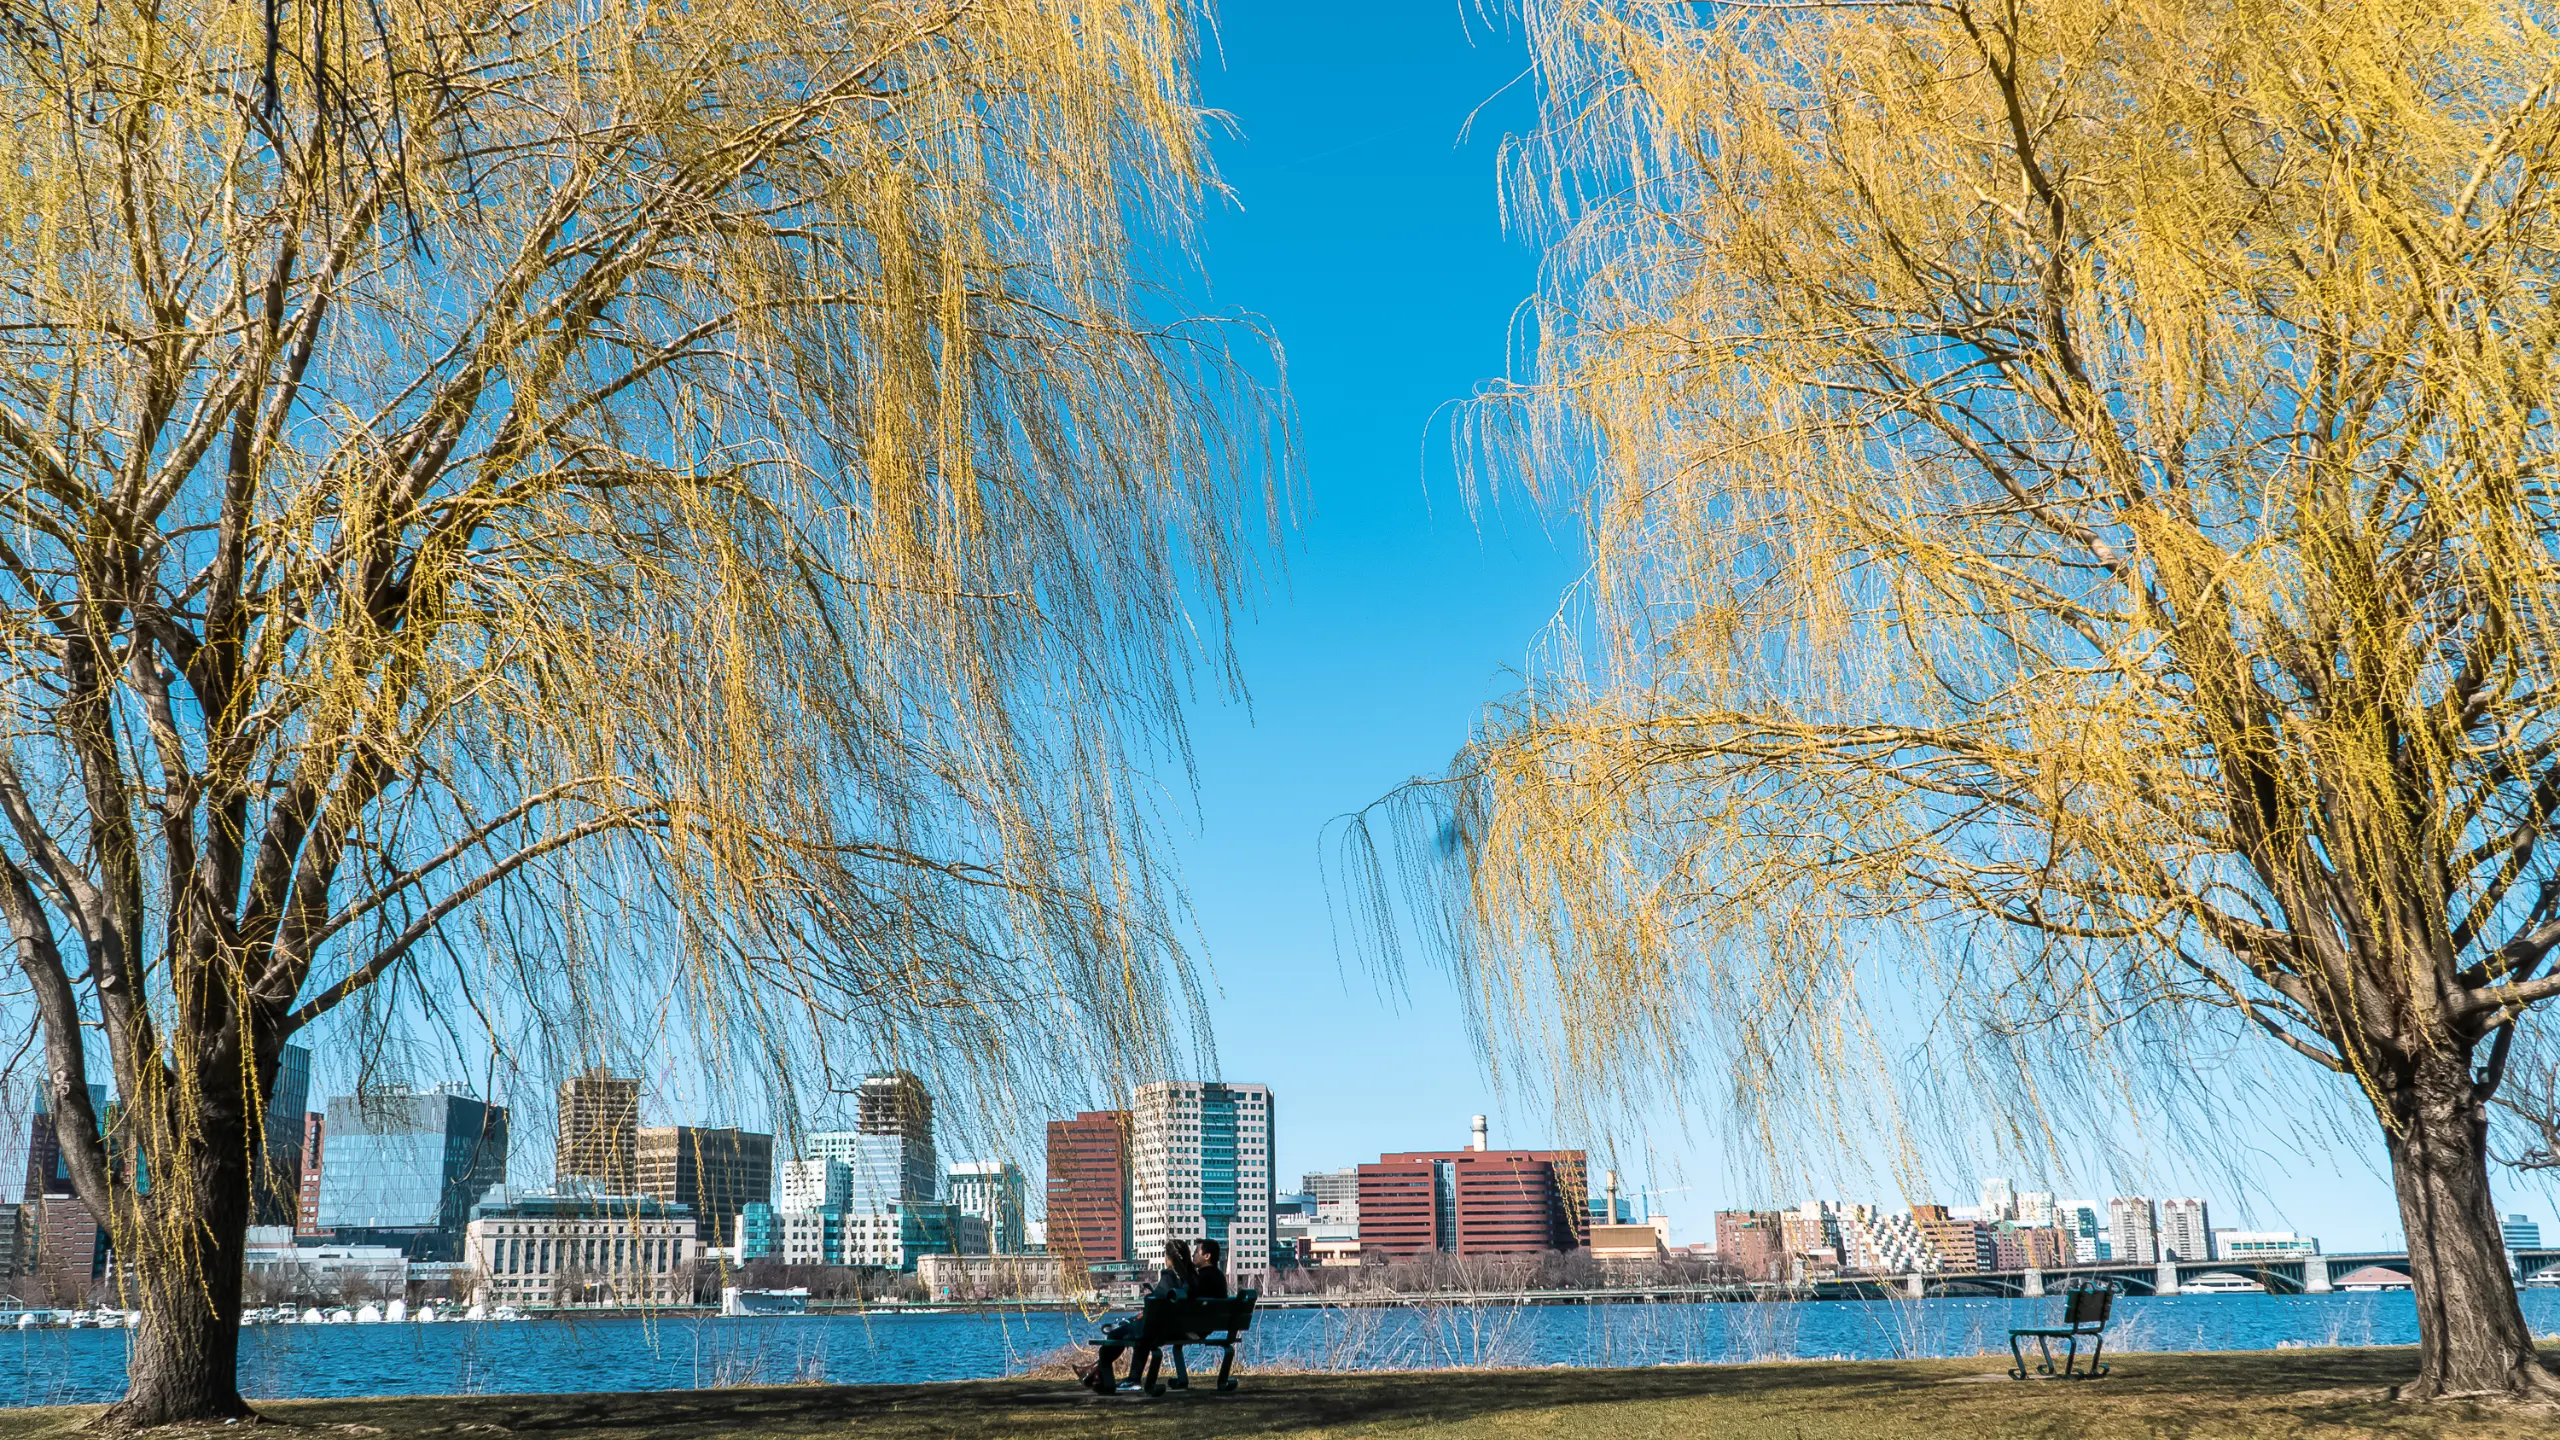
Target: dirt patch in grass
{"type": "Point", "coordinates": [2313, 1393]}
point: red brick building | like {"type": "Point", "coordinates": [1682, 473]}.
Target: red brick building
{"type": "Point", "coordinates": [1753, 1243]}
{"type": "Point", "coordinates": [1474, 1202]}
{"type": "Point", "coordinates": [2017, 1247]}
{"type": "Point", "coordinates": [1964, 1247]}
{"type": "Point", "coordinates": [1089, 1187]}
{"type": "Point", "coordinates": [306, 1220]}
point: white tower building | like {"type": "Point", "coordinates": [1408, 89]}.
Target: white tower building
{"type": "Point", "coordinates": [1200, 1167]}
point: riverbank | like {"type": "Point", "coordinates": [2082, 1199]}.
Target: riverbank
{"type": "Point", "coordinates": [2227, 1396]}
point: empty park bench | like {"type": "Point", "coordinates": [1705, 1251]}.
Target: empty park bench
{"type": "Point", "coordinates": [2084, 1317]}
{"type": "Point", "coordinates": [1170, 1325]}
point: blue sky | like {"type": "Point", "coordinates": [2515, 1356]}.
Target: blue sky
{"type": "Point", "coordinates": [1367, 234]}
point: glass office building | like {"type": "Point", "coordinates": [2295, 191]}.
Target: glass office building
{"type": "Point", "coordinates": [406, 1168]}
{"type": "Point", "coordinates": [278, 1195]}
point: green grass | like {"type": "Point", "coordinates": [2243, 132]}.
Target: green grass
{"type": "Point", "coordinates": [2158, 1397]}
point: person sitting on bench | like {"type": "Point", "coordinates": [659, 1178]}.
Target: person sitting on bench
{"type": "Point", "coordinates": [1191, 1274]}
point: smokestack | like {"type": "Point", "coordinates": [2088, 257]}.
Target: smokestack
{"type": "Point", "coordinates": [1610, 1215]}
{"type": "Point", "coordinates": [1478, 1142]}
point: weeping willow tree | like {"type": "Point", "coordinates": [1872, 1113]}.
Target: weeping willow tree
{"type": "Point", "coordinates": [2071, 497]}
{"type": "Point", "coordinates": [491, 490]}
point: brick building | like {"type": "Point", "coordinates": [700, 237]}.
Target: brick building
{"type": "Point", "coordinates": [1753, 1243]}
{"type": "Point", "coordinates": [1088, 1212]}
{"type": "Point", "coordinates": [1964, 1247]}
{"type": "Point", "coordinates": [1474, 1202]}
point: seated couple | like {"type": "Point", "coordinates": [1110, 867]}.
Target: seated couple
{"type": "Point", "coordinates": [1190, 1273]}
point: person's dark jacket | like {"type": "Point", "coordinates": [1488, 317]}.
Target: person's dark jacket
{"type": "Point", "coordinates": [1209, 1284]}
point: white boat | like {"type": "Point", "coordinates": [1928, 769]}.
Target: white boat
{"type": "Point", "coordinates": [429, 1315]}
{"type": "Point", "coordinates": [27, 1321]}
{"type": "Point", "coordinates": [314, 1317]}
{"type": "Point", "coordinates": [396, 1312]}
{"type": "Point", "coordinates": [477, 1311]}
{"type": "Point", "coordinates": [369, 1315]}
{"type": "Point", "coordinates": [506, 1312]}
{"type": "Point", "coordinates": [2221, 1282]}
{"type": "Point", "coordinates": [342, 1316]}
{"type": "Point", "coordinates": [735, 1301]}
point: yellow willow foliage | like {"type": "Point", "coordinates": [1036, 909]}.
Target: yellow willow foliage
{"type": "Point", "coordinates": [587, 525]}
{"type": "Point", "coordinates": [2070, 499]}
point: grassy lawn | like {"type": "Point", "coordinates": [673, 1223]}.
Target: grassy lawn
{"type": "Point", "coordinates": [2285, 1393]}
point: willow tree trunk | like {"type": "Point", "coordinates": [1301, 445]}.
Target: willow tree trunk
{"type": "Point", "coordinates": [187, 1241]}
{"type": "Point", "coordinates": [2472, 1337]}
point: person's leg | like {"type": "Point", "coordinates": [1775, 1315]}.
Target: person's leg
{"type": "Point", "coordinates": [1108, 1357]}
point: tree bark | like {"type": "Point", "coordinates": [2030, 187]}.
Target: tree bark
{"type": "Point", "coordinates": [2472, 1336]}
{"type": "Point", "coordinates": [188, 1244]}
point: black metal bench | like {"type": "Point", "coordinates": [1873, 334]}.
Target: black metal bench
{"type": "Point", "coordinates": [1171, 1325]}
{"type": "Point", "coordinates": [2085, 1309]}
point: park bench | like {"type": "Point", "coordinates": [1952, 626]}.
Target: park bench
{"type": "Point", "coordinates": [1168, 1325]}
{"type": "Point", "coordinates": [2084, 1317]}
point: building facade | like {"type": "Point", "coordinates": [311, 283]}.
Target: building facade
{"type": "Point", "coordinates": [2133, 1230]}
{"type": "Point", "coordinates": [816, 1184]}
{"type": "Point", "coordinates": [280, 1270]}
{"type": "Point", "coordinates": [1881, 1243]}
{"type": "Point", "coordinates": [599, 1138]}
{"type": "Point", "coordinates": [1752, 1244]}
{"type": "Point", "coordinates": [2185, 1231]}
{"type": "Point", "coordinates": [1336, 1193]}
{"type": "Point", "coordinates": [315, 1135]}
{"type": "Point", "coordinates": [713, 1173]}
{"type": "Point", "coordinates": [2263, 1245]}
{"type": "Point", "coordinates": [1088, 1191]}
{"type": "Point", "coordinates": [71, 1251]}
{"type": "Point", "coordinates": [583, 1248]}
{"type": "Point", "coordinates": [992, 1192]}
{"type": "Point", "coordinates": [275, 1197]}
{"type": "Point", "coordinates": [406, 1168]}
{"type": "Point", "coordinates": [2520, 1233]}
{"type": "Point", "coordinates": [2088, 1230]}
{"type": "Point", "coordinates": [1200, 1168]}
{"type": "Point", "coordinates": [17, 1245]}
{"type": "Point", "coordinates": [1963, 1247]}
{"type": "Point", "coordinates": [1473, 1202]}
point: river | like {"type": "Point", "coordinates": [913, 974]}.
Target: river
{"type": "Point", "coordinates": [44, 1367]}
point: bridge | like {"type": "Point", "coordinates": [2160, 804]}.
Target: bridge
{"type": "Point", "coordinates": [2283, 1275]}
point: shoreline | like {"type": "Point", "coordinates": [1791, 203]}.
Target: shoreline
{"type": "Point", "coordinates": [2336, 1392]}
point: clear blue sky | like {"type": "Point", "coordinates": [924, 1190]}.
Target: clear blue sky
{"type": "Point", "coordinates": [1367, 234]}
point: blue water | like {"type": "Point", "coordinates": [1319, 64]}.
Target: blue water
{"type": "Point", "coordinates": [44, 1367]}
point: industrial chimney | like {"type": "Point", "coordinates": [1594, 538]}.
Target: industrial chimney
{"type": "Point", "coordinates": [1610, 1215]}
{"type": "Point", "coordinates": [1478, 1142]}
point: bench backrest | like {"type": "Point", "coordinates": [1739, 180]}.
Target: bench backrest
{"type": "Point", "coordinates": [2088, 1305]}
{"type": "Point", "coordinates": [1167, 1318]}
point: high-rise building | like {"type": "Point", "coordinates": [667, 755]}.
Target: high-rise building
{"type": "Point", "coordinates": [315, 1131]}
{"type": "Point", "coordinates": [2133, 1230]}
{"type": "Point", "coordinates": [2520, 1232]}
{"type": "Point", "coordinates": [1752, 1243]}
{"type": "Point", "coordinates": [1474, 1202]}
{"type": "Point", "coordinates": [599, 1133]}
{"type": "Point", "coordinates": [2086, 1227]}
{"type": "Point", "coordinates": [46, 1172]}
{"type": "Point", "coordinates": [714, 1173]}
{"type": "Point", "coordinates": [889, 1152]}
{"type": "Point", "coordinates": [1999, 1202]}
{"type": "Point", "coordinates": [404, 1168]}
{"type": "Point", "coordinates": [18, 1242]}
{"type": "Point", "coordinates": [2035, 1208]}
{"type": "Point", "coordinates": [276, 1194]}
{"type": "Point", "coordinates": [1336, 1194]}
{"type": "Point", "coordinates": [991, 1190]}
{"type": "Point", "coordinates": [893, 1102]}
{"type": "Point", "coordinates": [1200, 1168]}
{"type": "Point", "coordinates": [2185, 1232]}
{"type": "Point", "coordinates": [815, 1184]}
{"type": "Point", "coordinates": [1088, 1198]}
